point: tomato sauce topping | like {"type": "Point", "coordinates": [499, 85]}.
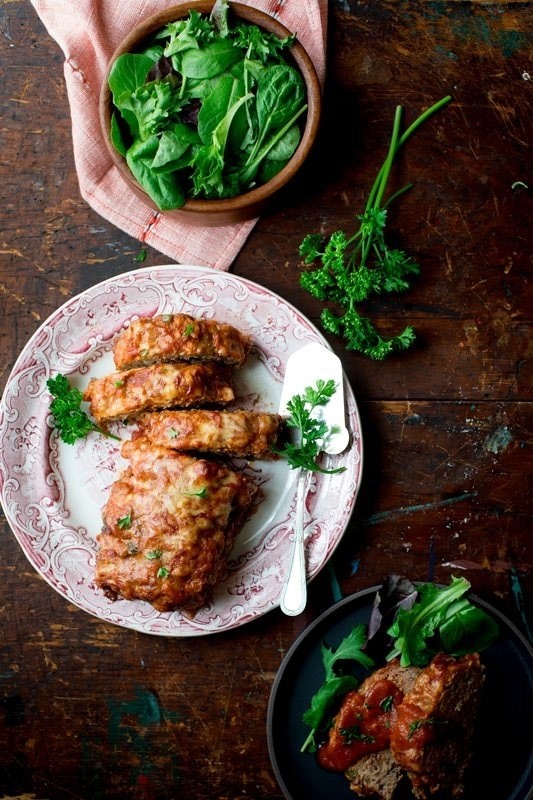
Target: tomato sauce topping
{"type": "Point", "coordinates": [362, 726]}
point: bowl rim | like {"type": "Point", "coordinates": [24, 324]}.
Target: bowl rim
{"type": "Point", "coordinates": [298, 53]}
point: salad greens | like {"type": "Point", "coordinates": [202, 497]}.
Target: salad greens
{"type": "Point", "coordinates": [311, 431]}
{"type": "Point", "coordinates": [353, 267]}
{"type": "Point", "coordinates": [440, 620]}
{"type": "Point", "coordinates": [427, 619]}
{"type": "Point", "coordinates": [207, 109]}
{"type": "Point", "coordinates": [70, 421]}
{"type": "Point", "coordinates": [335, 684]}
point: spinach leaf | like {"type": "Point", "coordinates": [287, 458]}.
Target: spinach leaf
{"type": "Point", "coordinates": [280, 95]}
{"type": "Point", "coordinates": [163, 188]}
{"type": "Point", "coordinates": [127, 74]}
{"type": "Point", "coordinates": [209, 160]}
{"type": "Point", "coordinates": [250, 168]}
{"type": "Point", "coordinates": [219, 17]}
{"type": "Point", "coordinates": [117, 136]}
{"type": "Point", "coordinates": [153, 52]}
{"type": "Point", "coordinates": [284, 147]}
{"type": "Point", "coordinates": [175, 149]}
{"type": "Point", "coordinates": [216, 106]}
{"type": "Point", "coordinates": [210, 60]}
{"type": "Point", "coordinates": [280, 100]}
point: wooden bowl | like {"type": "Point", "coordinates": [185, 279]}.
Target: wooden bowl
{"type": "Point", "coordinates": [251, 203]}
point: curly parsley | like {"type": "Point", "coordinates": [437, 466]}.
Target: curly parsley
{"type": "Point", "coordinates": [311, 431]}
{"type": "Point", "coordinates": [70, 421]}
{"type": "Point", "coordinates": [352, 268]}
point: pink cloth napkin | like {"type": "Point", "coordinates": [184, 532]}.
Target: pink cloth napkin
{"type": "Point", "coordinates": [88, 32]}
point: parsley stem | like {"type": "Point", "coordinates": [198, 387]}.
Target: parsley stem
{"type": "Point", "coordinates": [397, 194]}
{"type": "Point", "coordinates": [107, 433]}
{"type": "Point", "coordinates": [399, 143]}
{"type": "Point", "coordinates": [422, 118]}
{"type": "Point", "coordinates": [381, 183]}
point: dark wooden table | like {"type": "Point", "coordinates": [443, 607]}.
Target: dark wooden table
{"type": "Point", "coordinates": [90, 710]}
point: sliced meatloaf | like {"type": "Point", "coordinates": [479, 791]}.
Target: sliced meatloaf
{"type": "Point", "coordinates": [179, 337]}
{"type": "Point", "coordinates": [169, 526]}
{"type": "Point", "coordinates": [376, 775]}
{"type": "Point", "coordinates": [242, 434]}
{"type": "Point", "coordinates": [432, 737]}
{"type": "Point", "coordinates": [364, 721]}
{"type": "Point", "coordinates": [125, 394]}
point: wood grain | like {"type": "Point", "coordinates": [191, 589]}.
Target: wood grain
{"type": "Point", "coordinates": [88, 710]}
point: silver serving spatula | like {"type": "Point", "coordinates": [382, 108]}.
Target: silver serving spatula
{"type": "Point", "coordinates": [304, 368]}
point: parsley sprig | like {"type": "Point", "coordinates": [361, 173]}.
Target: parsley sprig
{"type": "Point", "coordinates": [311, 431]}
{"type": "Point", "coordinates": [70, 420]}
{"type": "Point", "coordinates": [352, 268]}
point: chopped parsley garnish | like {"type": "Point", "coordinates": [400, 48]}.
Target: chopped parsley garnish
{"type": "Point", "coordinates": [163, 572]}
{"type": "Point", "coordinates": [419, 723]}
{"type": "Point", "coordinates": [124, 522]}
{"type": "Point", "coordinates": [153, 554]}
{"type": "Point", "coordinates": [189, 328]}
{"type": "Point", "coordinates": [118, 384]}
{"type": "Point", "coordinates": [200, 493]}
{"type": "Point", "coordinates": [354, 734]}
{"type": "Point", "coordinates": [172, 433]}
{"type": "Point", "coordinates": [387, 703]}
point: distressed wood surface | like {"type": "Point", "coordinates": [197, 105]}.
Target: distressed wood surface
{"type": "Point", "coordinates": [88, 710]}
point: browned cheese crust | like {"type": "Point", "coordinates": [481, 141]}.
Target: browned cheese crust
{"type": "Point", "coordinates": [179, 337]}
{"type": "Point", "coordinates": [169, 525]}
{"type": "Point", "coordinates": [125, 394]}
{"type": "Point", "coordinates": [243, 434]}
{"type": "Point", "coordinates": [432, 739]}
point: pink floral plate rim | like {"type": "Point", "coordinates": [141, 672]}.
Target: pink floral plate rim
{"type": "Point", "coordinates": [52, 494]}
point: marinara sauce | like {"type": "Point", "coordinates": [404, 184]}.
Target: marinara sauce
{"type": "Point", "coordinates": [362, 726]}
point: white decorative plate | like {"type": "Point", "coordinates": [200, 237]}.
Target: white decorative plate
{"type": "Point", "coordinates": [53, 493]}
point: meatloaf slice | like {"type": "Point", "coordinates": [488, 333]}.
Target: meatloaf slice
{"type": "Point", "coordinates": [242, 434]}
{"type": "Point", "coordinates": [364, 720]}
{"type": "Point", "coordinates": [432, 738]}
{"type": "Point", "coordinates": [125, 394]}
{"type": "Point", "coordinates": [179, 337]}
{"type": "Point", "coordinates": [376, 775]}
{"type": "Point", "coordinates": [169, 525]}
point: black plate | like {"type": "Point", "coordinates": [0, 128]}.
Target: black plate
{"type": "Point", "coordinates": [502, 766]}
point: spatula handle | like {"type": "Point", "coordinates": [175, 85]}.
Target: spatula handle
{"type": "Point", "coordinates": [294, 593]}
